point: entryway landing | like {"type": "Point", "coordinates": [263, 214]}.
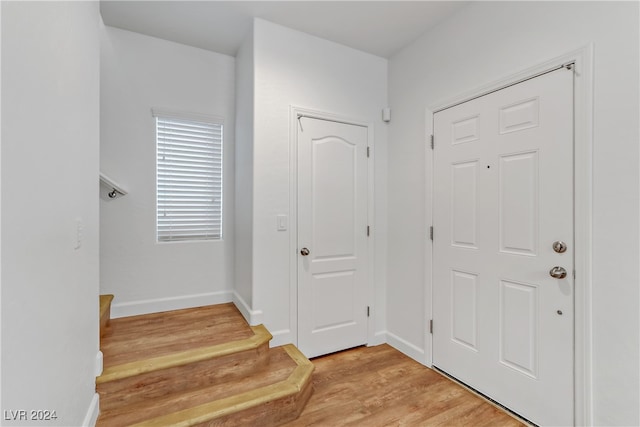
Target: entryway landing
{"type": "Point", "coordinates": [207, 366]}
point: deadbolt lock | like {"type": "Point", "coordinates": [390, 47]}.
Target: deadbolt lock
{"type": "Point", "coordinates": [559, 246]}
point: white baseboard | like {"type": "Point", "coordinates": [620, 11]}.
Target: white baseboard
{"type": "Point", "coordinates": [134, 308]}
{"type": "Point", "coordinates": [253, 317]}
{"type": "Point", "coordinates": [281, 337]}
{"type": "Point", "coordinates": [92, 413]}
{"type": "Point", "coordinates": [379, 338]}
{"type": "Point", "coordinates": [411, 350]}
{"type": "Point", "coordinates": [99, 364]}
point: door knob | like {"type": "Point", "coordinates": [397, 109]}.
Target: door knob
{"type": "Point", "coordinates": [558, 272]}
{"type": "Point", "coordinates": [304, 252]}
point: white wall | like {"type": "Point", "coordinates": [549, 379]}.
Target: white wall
{"type": "Point", "coordinates": [0, 201]}
{"type": "Point", "coordinates": [244, 175]}
{"type": "Point", "coordinates": [137, 73]}
{"type": "Point", "coordinates": [479, 45]}
{"type": "Point", "coordinates": [293, 68]}
{"type": "Point", "coordinates": [50, 134]}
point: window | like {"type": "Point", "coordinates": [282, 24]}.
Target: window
{"type": "Point", "coordinates": [189, 177]}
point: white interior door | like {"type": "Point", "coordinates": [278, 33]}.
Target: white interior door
{"type": "Point", "coordinates": [503, 194]}
{"type": "Point", "coordinates": [332, 236]}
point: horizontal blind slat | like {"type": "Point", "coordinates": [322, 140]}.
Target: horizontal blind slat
{"type": "Point", "coordinates": [176, 169]}
{"type": "Point", "coordinates": [166, 183]}
{"type": "Point", "coordinates": [171, 128]}
{"type": "Point", "coordinates": [188, 124]}
{"type": "Point", "coordinates": [177, 150]}
{"type": "Point", "coordinates": [199, 161]}
{"type": "Point", "coordinates": [206, 145]}
{"type": "Point", "coordinates": [179, 139]}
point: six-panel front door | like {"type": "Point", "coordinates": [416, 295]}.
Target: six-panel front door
{"type": "Point", "coordinates": [503, 195]}
{"type": "Point", "coordinates": [332, 236]}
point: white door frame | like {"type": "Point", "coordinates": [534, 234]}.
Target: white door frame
{"type": "Point", "coordinates": [583, 211]}
{"type": "Point", "coordinates": [294, 113]}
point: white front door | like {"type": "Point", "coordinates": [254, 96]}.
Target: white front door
{"type": "Point", "coordinates": [503, 194]}
{"type": "Point", "coordinates": [332, 236]}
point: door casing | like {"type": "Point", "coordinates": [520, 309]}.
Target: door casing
{"type": "Point", "coordinates": [583, 211]}
{"type": "Point", "coordinates": [294, 113]}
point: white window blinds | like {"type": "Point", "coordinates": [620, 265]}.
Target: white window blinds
{"type": "Point", "coordinates": [189, 179]}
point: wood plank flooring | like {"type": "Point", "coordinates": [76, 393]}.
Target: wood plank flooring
{"type": "Point", "coordinates": [379, 386]}
{"type": "Point", "coordinates": [133, 338]}
{"type": "Point", "coordinates": [365, 386]}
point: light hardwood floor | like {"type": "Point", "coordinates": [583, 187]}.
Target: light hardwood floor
{"type": "Point", "coordinates": [379, 386]}
{"type": "Point", "coordinates": [364, 387]}
{"type": "Point", "coordinates": [151, 335]}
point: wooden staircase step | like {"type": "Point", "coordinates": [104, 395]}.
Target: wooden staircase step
{"type": "Point", "coordinates": [136, 338]}
{"type": "Point", "coordinates": [272, 395]}
{"type": "Point", "coordinates": [105, 312]}
{"type": "Point", "coordinates": [200, 366]}
{"type": "Point", "coordinates": [172, 373]}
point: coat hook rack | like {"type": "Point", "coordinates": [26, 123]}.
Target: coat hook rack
{"type": "Point", "coordinates": [114, 189]}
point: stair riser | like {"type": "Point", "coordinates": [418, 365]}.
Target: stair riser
{"type": "Point", "coordinates": [157, 384]}
{"type": "Point", "coordinates": [274, 413]}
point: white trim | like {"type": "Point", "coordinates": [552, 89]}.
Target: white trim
{"type": "Point", "coordinates": [293, 221]}
{"type": "Point", "coordinates": [294, 111]}
{"type": "Point", "coordinates": [379, 338]}
{"type": "Point", "coordinates": [187, 115]}
{"type": "Point", "coordinates": [371, 220]}
{"type": "Point", "coordinates": [583, 208]}
{"type": "Point", "coordinates": [253, 317]}
{"type": "Point", "coordinates": [281, 337]}
{"type": "Point", "coordinates": [99, 363]}
{"type": "Point", "coordinates": [93, 411]}
{"type": "Point", "coordinates": [411, 350]}
{"type": "Point", "coordinates": [428, 245]}
{"type": "Point", "coordinates": [134, 308]}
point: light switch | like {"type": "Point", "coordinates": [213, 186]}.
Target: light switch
{"type": "Point", "coordinates": [282, 222]}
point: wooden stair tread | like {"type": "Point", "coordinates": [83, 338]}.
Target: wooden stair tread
{"type": "Point", "coordinates": [136, 338]}
{"type": "Point", "coordinates": [277, 369]}
{"type": "Point", "coordinates": [286, 374]}
{"type": "Point", "coordinates": [178, 358]}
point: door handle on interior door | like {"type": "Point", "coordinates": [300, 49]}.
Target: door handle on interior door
{"type": "Point", "coordinates": [304, 252]}
{"type": "Point", "coordinates": [558, 272]}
